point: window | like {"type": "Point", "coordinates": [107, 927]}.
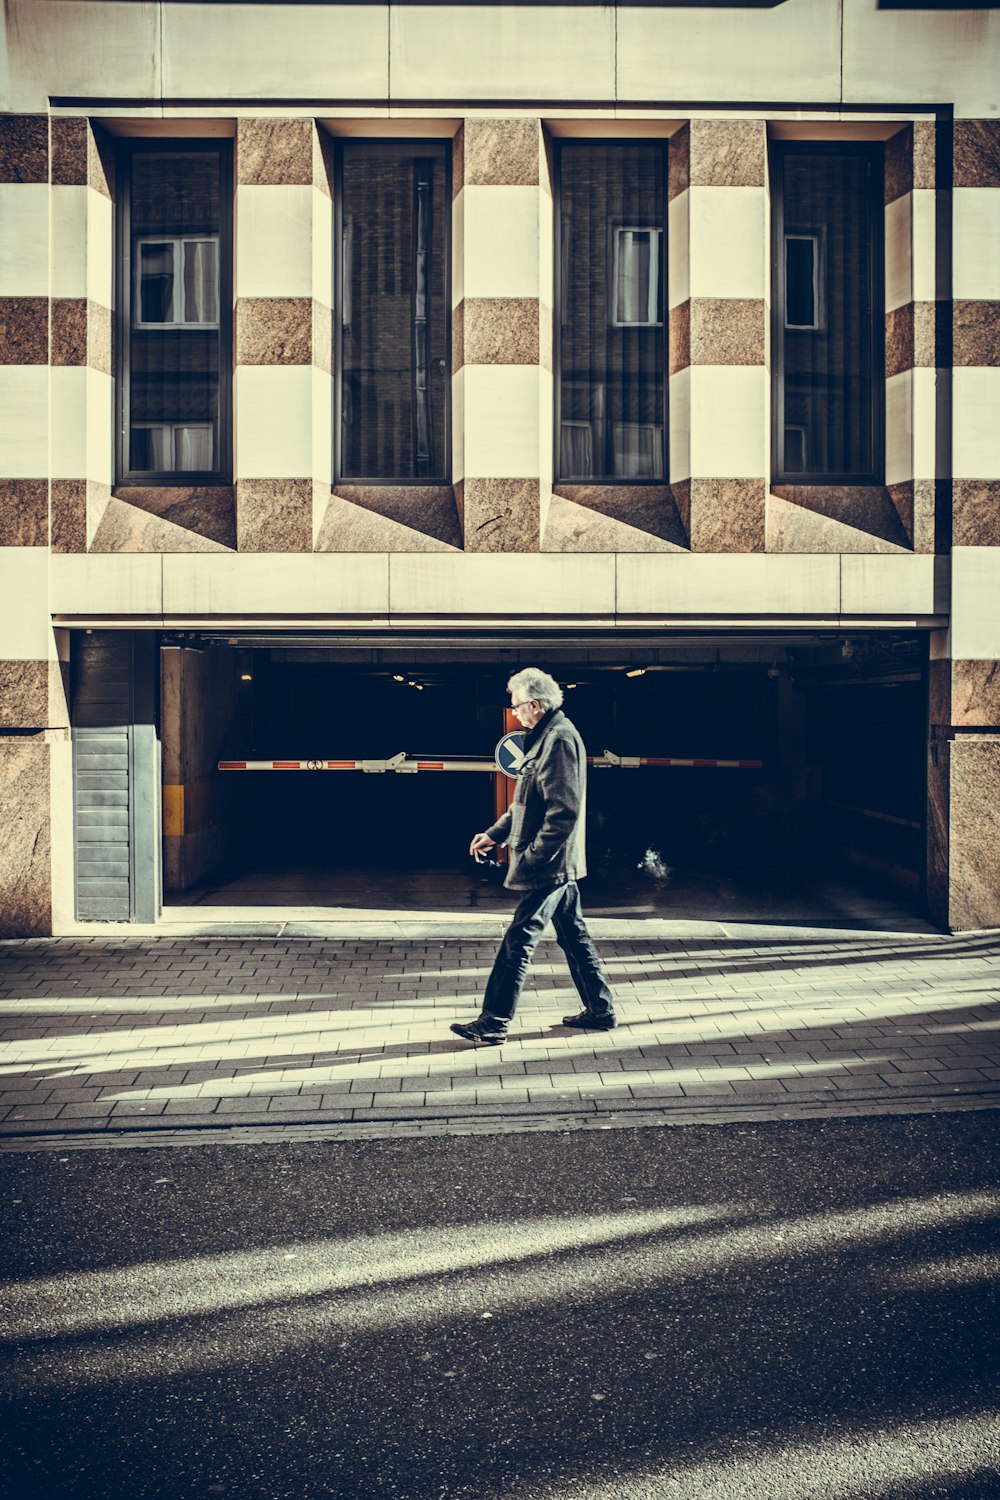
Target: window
{"type": "Point", "coordinates": [829, 341]}
{"type": "Point", "coordinates": [393, 305]}
{"type": "Point", "coordinates": [610, 329]}
{"type": "Point", "coordinates": [175, 338]}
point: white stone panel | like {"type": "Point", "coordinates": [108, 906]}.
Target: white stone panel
{"type": "Point", "coordinates": [895, 56]}
{"type": "Point", "coordinates": [322, 426]}
{"type": "Point", "coordinates": [458, 425]}
{"type": "Point", "coordinates": [107, 585]}
{"type": "Point", "coordinates": [684, 53]}
{"type": "Point", "coordinates": [899, 252]}
{"type": "Point", "coordinates": [501, 421]}
{"type": "Point", "coordinates": [546, 249]}
{"type": "Point", "coordinates": [273, 406]}
{"type": "Point", "coordinates": [286, 51]}
{"type": "Point", "coordinates": [728, 242]}
{"type": "Point", "coordinates": [924, 236]}
{"type": "Point", "coordinates": [975, 615]}
{"type": "Point", "coordinates": [976, 423]}
{"type": "Point", "coordinates": [678, 249]}
{"type": "Point", "coordinates": [496, 585]}
{"type": "Point", "coordinates": [727, 584]}
{"type": "Point", "coordinates": [458, 249]}
{"type": "Point", "coordinates": [899, 427]}
{"type": "Point", "coordinates": [24, 445]}
{"type": "Point", "coordinates": [680, 424]}
{"type": "Point", "coordinates": [546, 429]}
{"type": "Point", "coordinates": [501, 244]}
{"type": "Point", "coordinates": [976, 252]}
{"type": "Point", "coordinates": [24, 239]}
{"type": "Point", "coordinates": [100, 248]}
{"type": "Point", "coordinates": [69, 240]}
{"type": "Point", "coordinates": [310, 585]}
{"type": "Point", "coordinates": [274, 242]}
{"type": "Point", "coordinates": [24, 617]}
{"type": "Point", "coordinates": [503, 52]}
{"type": "Point", "coordinates": [68, 428]}
{"type": "Point", "coordinates": [322, 248]}
{"type": "Point", "coordinates": [924, 423]}
{"type": "Point", "coordinates": [729, 437]}
{"type": "Point", "coordinates": [100, 427]}
{"type": "Point", "coordinates": [75, 50]}
{"type": "Point", "coordinates": [888, 585]}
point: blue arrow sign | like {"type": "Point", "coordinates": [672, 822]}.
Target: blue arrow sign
{"type": "Point", "coordinates": [509, 753]}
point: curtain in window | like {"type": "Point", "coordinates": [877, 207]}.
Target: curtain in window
{"type": "Point", "coordinates": [393, 310]}
{"type": "Point", "coordinates": [829, 326]}
{"type": "Point", "coordinates": [611, 334]}
{"type": "Point", "coordinates": [174, 337]}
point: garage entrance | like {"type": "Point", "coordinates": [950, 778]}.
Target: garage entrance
{"type": "Point", "coordinates": [805, 800]}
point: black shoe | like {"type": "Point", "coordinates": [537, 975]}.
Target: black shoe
{"type": "Point", "coordinates": [484, 1029]}
{"type": "Point", "coordinates": [587, 1022]}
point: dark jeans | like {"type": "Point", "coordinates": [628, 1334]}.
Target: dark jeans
{"type": "Point", "coordinates": [559, 905]}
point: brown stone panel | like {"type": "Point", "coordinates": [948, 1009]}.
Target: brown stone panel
{"type": "Point", "coordinates": [977, 153]}
{"type": "Point", "coordinates": [501, 515]}
{"type": "Point", "coordinates": [69, 515]}
{"type": "Point", "coordinates": [868, 508]}
{"type": "Point", "coordinates": [924, 335]}
{"type": "Point", "coordinates": [69, 330]}
{"type": "Point", "coordinates": [24, 330]}
{"type": "Point", "coordinates": [25, 838]}
{"type": "Point", "coordinates": [902, 497]}
{"type": "Point", "coordinates": [99, 350]}
{"type": "Point", "coordinates": [501, 330]}
{"type": "Point", "coordinates": [24, 694]}
{"type": "Point", "coordinates": [501, 153]}
{"type": "Point", "coordinates": [458, 162]}
{"type": "Point", "coordinates": [938, 776]}
{"type": "Point", "coordinates": [728, 153]}
{"type": "Point", "coordinates": [274, 515]}
{"type": "Point", "coordinates": [59, 695]}
{"type": "Point", "coordinates": [727, 331]}
{"type": "Point", "coordinates": [101, 163]}
{"type": "Point", "coordinates": [924, 153]}
{"type": "Point", "coordinates": [648, 508]}
{"type": "Point", "coordinates": [976, 330]}
{"type": "Point", "coordinates": [355, 526]}
{"type": "Point", "coordinates": [899, 340]}
{"type": "Point", "coordinates": [898, 170]}
{"type": "Point", "coordinates": [323, 162]}
{"type": "Point", "coordinates": [924, 515]}
{"type": "Point", "coordinates": [974, 842]}
{"type": "Point", "coordinates": [207, 510]}
{"type": "Point", "coordinates": [274, 331]}
{"type": "Point", "coordinates": [24, 148]}
{"type": "Point", "coordinates": [69, 151]}
{"type": "Point", "coordinates": [126, 528]}
{"type": "Point", "coordinates": [939, 691]}
{"type": "Point", "coordinates": [975, 694]}
{"type": "Point", "coordinates": [274, 152]}
{"type": "Point", "coordinates": [681, 491]}
{"type": "Point", "coordinates": [429, 509]}
{"type": "Point", "coordinates": [679, 338]}
{"type": "Point", "coordinates": [728, 515]}
{"type": "Point", "coordinates": [24, 512]}
{"type": "Point", "coordinates": [679, 163]}
{"type": "Point", "coordinates": [976, 513]}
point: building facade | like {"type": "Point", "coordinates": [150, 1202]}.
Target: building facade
{"type": "Point", "coordinates": [645, 338]}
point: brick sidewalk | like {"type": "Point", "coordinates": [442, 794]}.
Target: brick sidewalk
{"type": "Point", "coordinates": [348, 1036]}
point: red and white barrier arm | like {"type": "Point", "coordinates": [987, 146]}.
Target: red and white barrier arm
{"type": "Point", "coordinates": [407, 766]}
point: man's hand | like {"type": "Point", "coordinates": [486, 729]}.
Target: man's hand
{"type": "Point", "coordinates": [480, 843]}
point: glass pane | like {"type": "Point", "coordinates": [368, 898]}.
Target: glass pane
{"type": "Point", "coordinates": [201, 281]}
{"type": "Point", "coordinates": [832, 316]}
{"type": "Point", "coordinates": [193, 447]}
{"type": "Point", "coordinates": [612, 205]}
{"type": "Point", "coordinates": [174, 367]}
{"type": "Point", "coordinates": [156, 283]}
{"type": "Point", "coordinates": [394, 306]}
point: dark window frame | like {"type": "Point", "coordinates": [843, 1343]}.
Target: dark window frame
{"type": "Point", "coordinates": [559, 146]}
{"type": "Point", "coordinates": [222, 474]}
{"type": "Point", "coordinates": [874, 152]}
{"type": "Point", "coordinates": [440, 145]}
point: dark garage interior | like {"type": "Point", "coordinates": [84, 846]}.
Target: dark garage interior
{"type": "Point", "coordinates": [829, 823]}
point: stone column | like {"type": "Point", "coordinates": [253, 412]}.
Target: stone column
{"type": "Point", "coordinates": [284, 289]}
{"type": "Point", "coordinates": [718, 380]}
{"type": "Point", "coordinates": [964, 779]}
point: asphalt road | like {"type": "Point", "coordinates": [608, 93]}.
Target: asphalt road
{"type": "Point", "coordinates": [795, 1311]}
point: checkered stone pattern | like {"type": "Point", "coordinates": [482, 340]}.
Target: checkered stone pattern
{"type": "Point", "coordinates": [964, 779]}
{"type": "Point", "coordinates": [283, 361]}
{"type": "Point", "coordinates": [354, 1034]}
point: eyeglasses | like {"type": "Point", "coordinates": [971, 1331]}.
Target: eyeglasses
{"type": "Point", "coordinates": [523, 703]}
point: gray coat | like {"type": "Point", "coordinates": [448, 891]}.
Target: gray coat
{"type": "Point", "coordinates": [544, 827]}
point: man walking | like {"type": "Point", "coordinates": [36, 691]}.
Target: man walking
{"type": "Point", "coordinates": [544, 832]}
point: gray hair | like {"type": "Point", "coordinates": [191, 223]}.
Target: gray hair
{"type": "Point", "coordinates": [532, 682]}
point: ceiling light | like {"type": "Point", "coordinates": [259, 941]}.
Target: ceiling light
{"type": "Point", "coordinates": [636, 672]}
{"type": "Point", "coordinates": [398, 677]}
{"type": "Point", "coordinates": [246, 677]}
